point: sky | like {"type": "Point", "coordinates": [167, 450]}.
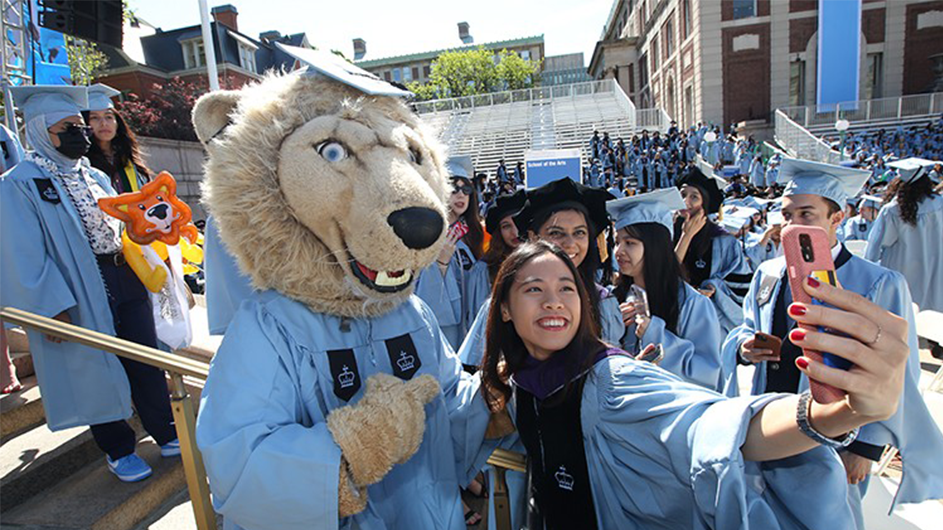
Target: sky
{"type": "Point", "coordinates": [398, 28]}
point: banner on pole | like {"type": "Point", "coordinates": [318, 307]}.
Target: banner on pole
{"type": "Point", "coordinates": [555, 164]}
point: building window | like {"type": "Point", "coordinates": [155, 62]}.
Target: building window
{"type": "Point", "coordinates": [655, 54]}
{"type": "Point", "coordinates": [669, 36]}
{"type": "Point", "coordinates": [744, 9]}
{"type": "Point", "coordinates": [416, 73]}
{"type": "Point", "coordinates": [525, 55]}
{"type": "Point", "coordinates": [689, 105]}
{"type": "Point", "coordinates": [686, 14]}
{"type": "Point", "coordinates": [387, 76]}
{"type": "Point", "coordinates": [872, 86]}
{"type": "Point", "coordinates": [642, 71]}
{"type": "Point", "coordinates": [427, 71]}
{"type": "Point", "coordinates": [247, 58]}
{"type": "Point", "coordinates": [193, 54]}
{"type": "Point", "coordinates": [397, 75]}
{"type": "Point", "coordinates": [797, 83]}
{"type": "Point", "coordinates": [631, 78]}
{"type": "Point", "coordinates": [407, 74]}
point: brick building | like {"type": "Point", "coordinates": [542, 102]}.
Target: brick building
{"type": "Point", "coordinates": [180, 53]}
{"type": "Point", "coordinates": [728, 61]}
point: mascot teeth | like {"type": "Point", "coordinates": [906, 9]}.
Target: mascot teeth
{"type": "Point", "coordinates": [393, 279]}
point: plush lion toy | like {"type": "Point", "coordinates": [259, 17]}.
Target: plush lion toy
{"type": "Point", "coordinates": [333, 394]}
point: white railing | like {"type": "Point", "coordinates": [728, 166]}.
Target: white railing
{"type": "Point", "coordinates": [800, 143]}
{"type": "Point", "coordinates": [867, 111]}
{"type": "Point", "coordinates": [514, 96]}
{"type": "Point", "coordinates": [655, 119]}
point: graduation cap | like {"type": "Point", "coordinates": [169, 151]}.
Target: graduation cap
{"type": "Point", "coordinates": [710, 189]}
{"type": "Point", "coordinates": [910, 169]}
{"type": "Point", "coordinates": [872, 201]}
{"type": "Point", "coordinates": [460, 167]}
{"type": "Point", "coordinates": [653, 207]}
{"type": "Point", "coordinates": [54, 102]}
{"type": "Point", "coordinates": [735, 220]}
{"type": "Point", "coordinates": [775, 218]}
{"type": "Point", "coordinates": [504, 205]}
{"type": "Point", "coordinates": [99, 97]}
{"type": "Point", "coordinates": [835, 183]}
{"type": "Point", "coordinates": [330, 65]}
{"type": "Point", "coordinates": [564, 194]}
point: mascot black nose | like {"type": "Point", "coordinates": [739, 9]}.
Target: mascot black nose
{"type": "Point", "coordinates": [159, 211]}
{"type": "Point", "coordinates": [419, 228]}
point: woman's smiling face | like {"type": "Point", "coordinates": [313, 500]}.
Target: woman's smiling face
{"type": "Point", "coordinates": [568, 230]}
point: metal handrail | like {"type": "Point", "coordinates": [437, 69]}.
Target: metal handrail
{"type": "Point", "coordinates": [866, 110]}
{"type": "Point", "coordinates": [513, 96]}
{"type": "Point", "coordinates": [184, 414]}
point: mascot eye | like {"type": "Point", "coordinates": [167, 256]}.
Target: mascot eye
{"type": "Point", "coordinates": [142, 207]}
{"type": "Point", "coordinates": [158, 197]}
{"type": "Point", "coordinates": [332, 151]}
{"type": "Point", "coordinates": [415, 156]}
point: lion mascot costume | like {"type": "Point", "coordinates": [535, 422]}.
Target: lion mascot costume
{"type": "Point", "coordinates": [334, 401]}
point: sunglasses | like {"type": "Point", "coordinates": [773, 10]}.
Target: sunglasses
{"type": "Point", "coordinates": [87, 131]}
{"type": "Point", "coordinates": [464, 188]}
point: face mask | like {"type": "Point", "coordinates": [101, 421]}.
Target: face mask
{"type": "Point", "coordinates": [74, 142]}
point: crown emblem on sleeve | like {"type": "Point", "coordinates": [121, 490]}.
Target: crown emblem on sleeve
{"type": "Point", "coordinates": [406, 362]}
{"type": "Point", "coordinates": [346, 377]}
{"type": "Point", "coordinates": [564, 479]}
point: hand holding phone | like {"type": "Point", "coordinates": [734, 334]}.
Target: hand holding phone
{"type": "Point", "coordinates": [653, 353]}
{"type": "Point", "coordinates": [808, 253]}
{"type": "Point", "coordinates": [762, 347]}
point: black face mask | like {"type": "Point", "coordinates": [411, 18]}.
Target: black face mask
{"type": "Point", "coordinates": [74, 142]}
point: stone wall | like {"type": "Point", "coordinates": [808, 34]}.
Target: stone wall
{"type": "Point", "coordinates": [183, 160]}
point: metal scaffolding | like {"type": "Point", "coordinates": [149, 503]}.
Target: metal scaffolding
{"type": "Point", "coordinates": [15, 53]}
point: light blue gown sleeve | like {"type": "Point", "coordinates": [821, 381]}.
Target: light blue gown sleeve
{"type": "Point", "coordinates": [883, 234]}
{"type": "Point", "coordinates": [443, 294]}
{"type": "Point", "coordinates": [729, 269]}
{"type": "Point", "coordinates": [610, 320]}
{"type": "Point", "coordinates": [730, 349]}
{"type": "Point", "coordinates": [477, 289]}
{"type": "Point", "coordinates": [226, 286]}
{"type": "Point", "coordinates": [269, 464]}
{"type": "Point", "coordinates": [666, 454]}
{"type": "Point", "coordinates": [29, 279]}
{"type": "Point", "coordinates": [473, 347]}
{"type": "Point", "coordinates": [693, 354]}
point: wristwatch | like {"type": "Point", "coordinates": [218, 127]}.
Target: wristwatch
{"type": "Point", "coordinates": [802, 418]}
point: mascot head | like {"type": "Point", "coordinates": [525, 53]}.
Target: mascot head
{"type": "Point", "coordinates": [332, 196]}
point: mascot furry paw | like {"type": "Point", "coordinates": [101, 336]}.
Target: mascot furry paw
{"type": "Point", "coordinates": [334, 393]}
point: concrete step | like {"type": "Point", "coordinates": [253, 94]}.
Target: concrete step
{"type": "Point", "coordinates": [92, 498]}
{"type": "Point", "coordinates": [21, 411]}
{"type": "Point", "coordinates": [23, 362]}
{"type": "Point", "coordinates": [175, 514]}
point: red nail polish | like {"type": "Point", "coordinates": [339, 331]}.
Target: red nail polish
{"type": "Point", "coordinates": [797, 310]}
{"type": "Point", "coordinates": [802, 363]}
{"type": "Point", "coordinates": [813, 283]}
{"type": "Point", "coordinates": [797, 335]}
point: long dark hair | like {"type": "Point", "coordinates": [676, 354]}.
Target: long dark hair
{"type": "Point", "coordinates": [661, 271]}
{"type": "Point", "coordinates": [125, 147]}
{"type": "Point", "coordinates": [497, 252]}
{"type": "Point", "coordinates": [505, 352]}
{"type": "Point", "coordinates": [475, 237]}
{"type": "Point", "coordinates": [590, 263]}
{"type": "Point", "coordinates": [909, 196]}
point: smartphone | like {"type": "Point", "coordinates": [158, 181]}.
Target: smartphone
{"type": "Point", "coordinates": [638, 297]}
{"type": "Point", "coordinates": [808, 254]}
{"type": "Point", "coordinates": [654, 356]}
{"type": "Point", "coordinates": [768, 342]}
{"type": "Point", "coordinates": [458, 229]}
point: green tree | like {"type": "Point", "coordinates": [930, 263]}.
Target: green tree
{"type": "Point", "coordinates": [476, 71]}
{"type": "Point", "coordinates": [86, 61]}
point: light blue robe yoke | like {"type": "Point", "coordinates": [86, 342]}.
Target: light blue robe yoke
{"type": "Point", "coordinates": [911, 429]}
{"type": "Point", "coordinates": [272, 462]}
{"type": "Point", "coordinates": [665, 454]}
{"type": "Point", "coordinates": [46, 267]}
{"type": "Point", "coordinates": [226, 286]}
{"type": "Point", "coordinates": [693, 354]}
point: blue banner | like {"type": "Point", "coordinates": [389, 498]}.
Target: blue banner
{"type": "Point", "coordinates": [839, 53]}
{"type": "Point", "coordinates": [547, 166]}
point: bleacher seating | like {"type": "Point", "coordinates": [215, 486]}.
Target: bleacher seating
{"type": "Point", "coordinates": [506, 125]}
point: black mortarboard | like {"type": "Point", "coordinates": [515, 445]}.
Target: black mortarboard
{"type": "Point", "coordinates": [564, 194]}
{"type": "Point", "coordinates": [505, 205]}
{"type": "Point", "coordinates": [710, 192]}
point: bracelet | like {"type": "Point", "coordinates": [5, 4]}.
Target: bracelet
{"type": "Point", "coordinates": [802, 418]}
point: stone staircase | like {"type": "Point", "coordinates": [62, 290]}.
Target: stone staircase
{"type": "Point", "coordinates": [59, 479]}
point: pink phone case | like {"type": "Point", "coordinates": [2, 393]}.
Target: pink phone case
{"type": "Point", "coordinates": [798, 268]}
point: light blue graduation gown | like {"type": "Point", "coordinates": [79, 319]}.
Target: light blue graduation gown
{"type": "Point", "coordinates": [47, 267]}
{"type": "Point", "coordinates": [911, 429]}
{"type": "Point", "coordinates": [757, 252]}
{"type": "Point", "coordinates": [757, 173]}
{"type": "Point", "coordinates": [226, 286]}
{"type": "Point", "coordinates": [914, 251]}
{"type": "Point", "coordinates": [270, 458]}
{"type": "Point", "coordinates": [693, 353]}
{"type": "Point", "coordinates": [727, 258]}
{"type": "Point", "coordinates": [855, 228]}
{"type": "Point", "coordinates": [455, 296]}
{"type": "Point", "coordinates": [12, 152]}
{"type": "Point", "coordinates": [665, 454]}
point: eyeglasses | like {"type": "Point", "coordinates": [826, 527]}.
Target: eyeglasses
{"type": "Point", "coordinates": [463, 188]}
{"type": "Point", "coordinates": [69, 127]}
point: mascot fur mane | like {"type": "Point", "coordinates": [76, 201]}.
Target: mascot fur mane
{"type": "Point", "coordinates": [299, 220]}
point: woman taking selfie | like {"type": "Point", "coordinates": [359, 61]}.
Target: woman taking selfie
{"type": "Point", "coordinates": [666, 311]}
{"type": "Point", "coordinates": [618, 443]}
